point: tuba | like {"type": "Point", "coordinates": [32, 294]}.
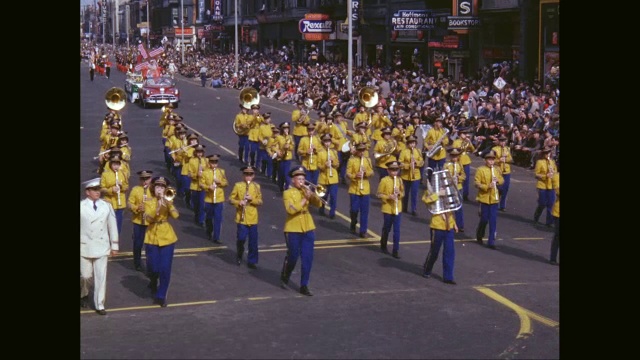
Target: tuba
{"type": "Point", "coordinates": [115, 98]}
{"type": "Point", "coordinates": [368, 97]}
{"type": "Point", "coordinates": [388, 149]}
{"type": "Point", "coordinates": [449, 198]}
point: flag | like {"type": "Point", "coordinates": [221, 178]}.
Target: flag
{"type": "Point", "coordinates": [142, 51]}
{"type": "Point", "coordinates": [142, 65]}
{"type": "Point", "coordinates": [157, 51]}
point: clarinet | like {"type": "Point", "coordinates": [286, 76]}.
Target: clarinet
{"type": "Point", "coordinates": [329, 156]}
{"type": "Point", "coordinates": [494, 182]}
{"type": "Point", "coordinates": [395, 192]}
{"type": "Point", "coordinates": [245, 205]}
{"type": "Point", "coordinates": [118, 185]}
{"type": "Point", "coordinates": [362, 171]}
{"type": "Point", "coordinates": [215, 186]}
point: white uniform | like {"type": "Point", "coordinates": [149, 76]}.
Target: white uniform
{"type": "Point", "coordinates": [98, 236]}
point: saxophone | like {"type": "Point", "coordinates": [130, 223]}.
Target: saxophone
{"type": "Point", "coordinates": [438, 144]}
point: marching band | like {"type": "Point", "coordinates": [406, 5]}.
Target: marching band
{"type": "Point", "coordinates": [329, 153]}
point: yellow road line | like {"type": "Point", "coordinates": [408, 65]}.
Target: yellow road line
{"type": "Point", "coordinates": [525, 315]}
{"type": "Point", "coordinates": [259, 298]}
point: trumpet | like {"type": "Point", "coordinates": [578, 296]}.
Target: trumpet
{"type": "Point", "coordinates": [169, 194]}
{"type": "Point", "coordinates": [318, 190]}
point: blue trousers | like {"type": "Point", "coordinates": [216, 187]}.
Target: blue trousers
{"type": "Point", "coordinates": [300, 245]}
{"type": "Point", "coordinates": [555, 243]}
{"type": "Point", "coordinates": [394, 221]}
{"type": "Point", "coordinates": [465, 183]}
{"type": "Point", "coordinates": [546, 199]}
{"type": "Point", "coordinates": [312, 176]}
{"type": "Point", "coordinates": [459, 214]}
{"type": "Point", "coordinates": [489, 214]}
{"type": "Point", "coordinates": [168, 160]}
{"type": "Point", "coordinates": [263, 156]}
{"type": "Point", "coordinates": [243, 232]}
{"type": "Point", "coordinates": [283, 174]}
{"type": "Point", "coordinates": [410, 192]}
{"type": "Point", "coordinates": [360, 204]}
{"type": "Point", "coordinates": [159, 261]}
{"type": "Point", "coordinates": [243, 148]}
{"type": "Point", "coordinates": [436, 165]}
{"type": "Point", "coordinates": [138, 241]}
{"type": "Point", "coordinates": [503, 190]}
{"type": "Point", "coordinates": [176, 174]}
{"type": "Point", "coordinates": [438, 238]}
{"type": "Point", "coordinates": [213, 213]}
{"type": "Point", "coordinates": [185, 184]}
{"type": "Point", "coordinates": [253, 152]}
{"type": "Point", "coordinates": [197, 198]}
{"type": "Point", "coordinates": [332, 198]}
{"type": "Point", "coordinates": [119, 215]}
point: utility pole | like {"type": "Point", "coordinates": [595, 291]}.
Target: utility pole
{"type": "Point", "coordinates": [128, 17]}
{"type": "Point", "coordinates": [350, 46]}
{"type": "Point", "coordinates": [115, 22]}
{"type": "Point", "coordinates": [235, 10]}
{"type": "Point", "coordinates": [148, 26]}
{"type": "Point", "coordinates": [182, 44]}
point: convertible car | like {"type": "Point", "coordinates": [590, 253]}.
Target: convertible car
{"type": "Point", "coordinates": [159, 90]}
{"type": "Point", "coordinates": [132, 86]}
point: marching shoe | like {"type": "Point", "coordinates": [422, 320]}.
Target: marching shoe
{"type": "Point", "coordinates": [552, 262]}
{"type": "Point", "coordinates": [450, 282]}
{"type": "Point", "coordinates": [101, 312]}
{"type": "Point", "coordinates": [84, 302]}
{"type": "Point", "coordinates": [503, 210]}
{"type": "Point", "coordinates": [414, 213]}
{"type": "Point", "coordinates": [217, 241]}
{"type": "Point", "coordinates": [161, 302]}
{"type": "Point", "coordinates": [426, 275]}
{"type": "Point", "coordinates": [252, 266]}
{"type": "Point", "coordinates": [395, 255]}
{"type": "Point", "coordinates": [305, 291]}
{"type": "Point", "coordinates": [492, 247]}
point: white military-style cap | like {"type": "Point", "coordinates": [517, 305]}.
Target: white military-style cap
{"type": "Point", "coordinates": [92, 183]}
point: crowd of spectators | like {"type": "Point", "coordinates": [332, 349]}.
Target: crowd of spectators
{"type": "Point", "coordinates": [528, 113]}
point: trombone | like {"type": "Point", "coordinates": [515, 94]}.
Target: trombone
{"type": "Point", "coordinates": [318, 190]}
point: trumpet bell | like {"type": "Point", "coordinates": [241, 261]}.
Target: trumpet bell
{"type": "Point", "coordinates": [368, 97]}
{"type": "Point", "coordinates": [320, 190]}
{"type": "Point", "coordinates": [169, 193]}
{"type": "Point", "coordinates": [115, 98]}
{"type": "Point", "coordinates": [248, 97]}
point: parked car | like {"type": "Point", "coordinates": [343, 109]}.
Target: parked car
{"type": "Point", "coordinates": [133, 85]}
{"type": "Point", "coordinates": [159, 90]}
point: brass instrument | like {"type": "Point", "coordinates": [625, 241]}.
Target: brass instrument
{"type": "Point", "coordinates": [437, 145]}
{"type": "Point", "coordinates": [308, 103]}
{"type": "Point", "coordinates": [115, 98]}
{"type": "Point", "coordinates": [389, 147]}
{"type": "Point", "coordinates": [169, 194]}
{"type": "Point", "coordinates": [118, 185]}
{"type": "Point", "coordinates": [368, 97]}
{"type": "Point", "coordinates": [248, 97]}
{"type": "Point", "coordinates": [318, 190]}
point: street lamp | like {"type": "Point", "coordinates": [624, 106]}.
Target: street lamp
{"type": "Point", "coordinates": [148, 26]}
{"type": "Point", "coordinates": [235, 10]}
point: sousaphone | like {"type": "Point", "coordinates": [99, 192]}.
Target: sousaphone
{"type": "Point", "coordinates": [368, 97]}
{"type": "Point", "coordinates": [115, 98]}
{"type": "Point", "coordinates": [248, 97]}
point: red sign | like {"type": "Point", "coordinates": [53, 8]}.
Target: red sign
{"type": "Point", "coordinates": [187, 31]}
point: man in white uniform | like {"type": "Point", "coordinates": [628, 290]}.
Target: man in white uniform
{"type": "Point", "coordinates": [98, 240]}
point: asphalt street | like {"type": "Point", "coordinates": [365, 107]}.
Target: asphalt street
{"type": "Point", "coordinates": [366, 304]}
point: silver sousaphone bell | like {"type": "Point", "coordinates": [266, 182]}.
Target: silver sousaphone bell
{"type": "Point", "coordinates": [449, 198]}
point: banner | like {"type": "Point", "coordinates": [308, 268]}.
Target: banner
{"type": "Point", "coordinates": [157, 51]}
{"type": "Point", "coordinates": [141, 66]}
{"type": "Point", "coordinates": [143, 51]}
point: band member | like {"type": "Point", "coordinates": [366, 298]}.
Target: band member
{"type": "Point", "coordinates": [503, 162]}
{"type": "Point", "coordinates": [98, 239]}
{"type": "Point", "coordinates": [273, 153]}
{"type": "Point", "coordinates": [361, 137]}
{"type": "Point", "coordinates": [264, 162]}
{"type": "Point", "coordinates": [308, 153]}
{"type": "Point", "coordinates": [443, 227]}
{"type": "Point", "coordinates": [328, 164]}
{"type": "Point", "coordinates": [213, 181]}
{"type": "Point", "coordinates": [399, 134]}
{"type": "Point", "coordinates": [362, 117]}
{"type": "Point", "coordinates": [160, 239]}
{"type": "Point", "coordinates": [391, 191]}
{"type": "Point", "coordinates": [555, 243]}
{"type": "Point", "coordinates": [321, 125]}
{"type": "Point", "coordinates": [379, 121]}
{"type": "Point", "coordinates": [246, 196]}
{"type": "Point", "coordinates": [114, 186]}
{"type": "Point", "coordinates": [359, 170]}
{"type": "Point", "coordinates": [458, 176]}
{"type": "Point", "coordinates": [254, 131]}
{"type": "Point", "coordinates": [167, 132]}
{"type": "Point", "coordinates": [177, 144]}
{"type": "Point", "coordinates": [243, 125]}
{"type": "Point", "coordinates": [184, 156]}
{"type": "Point", "coordinates": [109, 140]}
{"type": "Point", "coordinates": [341, 134]}
{"type": "Point", "coordinates": [167, 110]}
{"type": "Point", "coordinates": [196, 166]}
{"type": "Point", "coordinates": [411, 162]}
{"type": "Point", "coordinates": [285, 155]}
{"type": "Point", "coordinates": [125, 149]}
{"type": "Point", "coordinates": [487, 179]}
{"type": "Point", "coordinates": [464, 143]}
{"type": "Point", "coordinates": [299, 229]}
{"type": "Point", "coordinates": [300, 119]}
{"type": "Point", "coordinates": [436, 136]}
{"type": "Point", "coordinates": [137, 198]}
{"type": "Point", "coordinates": [544, 172]}
{"type": "Point", "coordinates": [384, 149]}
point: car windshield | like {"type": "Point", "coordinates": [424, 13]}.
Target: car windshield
{"type": "Point", "coordinates": [160, 81]}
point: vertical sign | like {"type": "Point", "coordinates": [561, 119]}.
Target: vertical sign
{"type": "Point", "coordinates": [216, 10]}
{"type": "Point", "coordinates": [201, 11]}
{"type": "Point", "coordinates": [355, 15]}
